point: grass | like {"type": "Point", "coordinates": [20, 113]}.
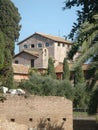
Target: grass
{"type": "Point", "coordinates": [83, 115]}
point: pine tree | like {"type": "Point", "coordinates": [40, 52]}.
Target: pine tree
{"type": "Point", "coordinates": [9, 25]}
{"type": "Point", "coordinates": [66, 72]}
{"type": "Point", "coordinates": [51, 69]}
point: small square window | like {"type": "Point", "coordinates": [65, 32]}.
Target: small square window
{"type": "Point", "coordinates": [58, 44]}
{"type": "Point", "coordinates": [63, 45]}
{"type": "Point", "coordinates": [16, 62]}
{"type": "Point", "coordinates": [32, 45]}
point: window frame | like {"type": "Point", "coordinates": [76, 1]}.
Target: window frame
{"type": "Point", "coordinates": [38, 45]}
{"type": "Point", "coordinates": [47, 44]}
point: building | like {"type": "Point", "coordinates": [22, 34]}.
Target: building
{"type": "Point", "coordinates": [35, 50]}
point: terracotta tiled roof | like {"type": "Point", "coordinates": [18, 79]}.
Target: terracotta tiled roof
{"type": "Point", "coordinates": [20, 69]}
{"type": "Point", "coordinates": [33, 53]}
{"type": "Point", "coordinates": [54, 38]}
{"type": "Point", "coordinates": [59, 68]}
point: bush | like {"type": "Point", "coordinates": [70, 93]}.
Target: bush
{"type": "Point", "coordinates": [46, 86]}
{"type": "Point", "coordinates": [65, 89]}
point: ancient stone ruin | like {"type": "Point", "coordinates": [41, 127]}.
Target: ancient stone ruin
{"type": "Point", "coordinates": [36, 113]}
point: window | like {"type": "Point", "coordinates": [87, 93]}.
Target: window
{"type": "Point", "coordinates": [25, 46]}
{"type": "Point", "coordinates": [63, 45]}
{"type": "Point", "coordinates": [47, 44]}
{"type": "Point", "coordinates": [58, 44]}
{"type": "Point", "coordinates": [16, 62]}
{"type": "Point", "coordinates": [32, 62]}
{"type": "Point", "coordinates": [39, 45]}
{"type": "Point", "coordinates": [45, 52]}
{"type": "Point", "coordinates": [32, 45]}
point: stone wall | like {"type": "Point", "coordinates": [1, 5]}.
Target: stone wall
{"type": "Point", "coordinates": [36, 112]}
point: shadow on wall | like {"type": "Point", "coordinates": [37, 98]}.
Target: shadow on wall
{"type": "Point", "coordinates": [48, 125]}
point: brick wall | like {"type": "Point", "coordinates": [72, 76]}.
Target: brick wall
{"type": "Point", "coordinates": [34, 110]}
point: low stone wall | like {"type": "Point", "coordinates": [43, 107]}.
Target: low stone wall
{"type": "Point", "coordinates": [36, 112]}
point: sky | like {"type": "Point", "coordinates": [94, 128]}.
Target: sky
{"type": "Point", "coordinates": [44, 16]}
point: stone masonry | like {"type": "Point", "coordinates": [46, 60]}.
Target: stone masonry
{"type": "Point", "coordinates": [36, 112]}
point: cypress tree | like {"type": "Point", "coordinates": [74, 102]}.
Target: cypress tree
{"type": "Point", "coordinates": [9, 25]}
{"type": "Point", "coordinates": [51, 69]}
{"type": "Point", "coordinates": [79, 75]}
{"type": "Point", "coordinates": [66, 72]}
{"type": "Point", "coordinates": [2, 48]}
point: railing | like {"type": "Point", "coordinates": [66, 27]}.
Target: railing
{"type": "Point", "coordinates": [82, 113]}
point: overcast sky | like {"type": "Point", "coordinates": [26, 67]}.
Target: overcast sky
{"type": "Point", "coordinates": [45, 16]}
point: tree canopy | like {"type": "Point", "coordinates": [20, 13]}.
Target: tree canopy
{"type": "Point", "coordinates": [51, 69]}
{"type": "Point", "coordinates": [9, 27]}
{"type": "Point", "coordinates": [84, 34]}
{"type": "Point", "coordinates": [66, 72]}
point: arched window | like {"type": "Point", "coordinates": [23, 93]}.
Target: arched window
{"type": "Point", "coordinates": [25, 46]}
{"type": "Point", "coordinates": [47, 44]}
{"type": "Point", "coordinates": [39, 45]}
{"type": "Point", "coordinates": [45, 52]}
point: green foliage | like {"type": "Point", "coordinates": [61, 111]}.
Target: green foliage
{"type": "Point", "coordinates": [9, 19]}
{"type": "Point", "coordinates": [45, 85]}
{"type": "Point", "coordinates": [65, 89]}
{"type": "Point", "coordinates": [73, 51]}
{"type": "Point", "coordinates": [51, 69]}
{"type": "Point", "coordinates": [81, 97]}
{"type": "Point", "coordinates": [79, 75]}
{"type": "Point", "coordinates": [66, 72]}
{"type": "Point", "coordinates": [93, 103]}
{"type": "Point", "coordinates": [87, 11]}
{"type": "Point", "coordinates": [2, 48]}
{"type": "Point", "coordinates": [85, 35]}
{"type": "Point", "coordinates": [9, 26]}
{"type": "Point", "coordinates": [33, 71]}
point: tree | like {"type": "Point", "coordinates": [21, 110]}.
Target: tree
{"type": "Point", "coordinates": [9, 25]}
{"type": "Point", "coordinates": [66, 72]}
{"type": "Point", "coordinates": [85, 31]}
{"type": "Point", "coordinates": [93, 104]}
{"type": "Point", "coordinates": [85, 34]}
{"type": "Point", "coordinates": [88, 9]}
{"type": "Point", "coordinates": [78, 76]}
{"type": "Point", "coordinates": [51, 69]}
{"type": "Point", "coordinates": [2, 48]}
